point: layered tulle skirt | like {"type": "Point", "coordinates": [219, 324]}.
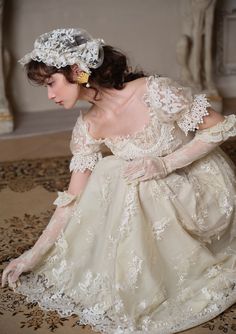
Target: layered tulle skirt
{"type": "Point", "coordinates": [157, 256]}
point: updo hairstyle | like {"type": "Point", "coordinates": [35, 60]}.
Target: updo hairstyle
{"type": "Point", "coordinates": [113, 73]}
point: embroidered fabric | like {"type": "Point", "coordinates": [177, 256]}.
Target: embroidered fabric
{"type": "Point", "coordinates": [177, 103]}
{"type": "Point", "coordinates": [218, 133]}
{"type": "Point", "coordinates": [62, 47]}
{"type": "Point", "coordinates": [86, 153]}
{"type": "Point", "coordinates": [203, 143]}
{"type": "Point", "coordinates": [191, 120]}
{"type": "Point", "coordinates": [105, 293]}
{"type": "Point", "coordinates": [168, 102]}
{"type": "Point", "coordinates": [159, 227]}
{"type": "Point", "coordinates": [79, 162]}
{"type": "Point", "coordinates": [125, 261]}
{"type": "Point", "coordinates": [109, 314]}
{"type": "Point", "coordinates": [169, 105]}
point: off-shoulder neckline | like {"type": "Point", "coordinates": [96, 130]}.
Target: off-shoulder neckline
{"type": "Point", "coordinates": [145, 99]}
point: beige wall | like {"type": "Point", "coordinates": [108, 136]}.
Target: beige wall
{"type": "Point", "coordinates": [147, 30]}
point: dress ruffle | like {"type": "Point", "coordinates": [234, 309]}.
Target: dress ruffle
{"type": "Point", "coordinates": [220, 132]}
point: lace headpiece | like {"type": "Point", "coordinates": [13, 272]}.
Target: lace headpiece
{"type": "Point", "coordinates": [62, 47]}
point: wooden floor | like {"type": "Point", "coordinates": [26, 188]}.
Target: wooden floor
{"type": "Point", "coordinates": [39, 135]}
{"type": "Point", "coordinates": [38, 146]}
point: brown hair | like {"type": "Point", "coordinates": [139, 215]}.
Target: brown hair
{"type": "Point", "coordinates": [113, 73]}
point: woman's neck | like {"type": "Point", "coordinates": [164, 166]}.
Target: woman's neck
{"type": "Point", "coordinates": [107, 99]}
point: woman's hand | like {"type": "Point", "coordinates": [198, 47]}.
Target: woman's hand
{"type": "Point", "coordinates": [145, 169]}
{"type": "Point", "coordinates": [15, 268]}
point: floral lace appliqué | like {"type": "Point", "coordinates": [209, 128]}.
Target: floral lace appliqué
{"type": "Point", "coordinates": [134, 270]}
{"type": "Point", "coordinates": [81, 162]}
{"type": "Point", "coordinates": [190, 120]}
{"type": "Point", "coordinates": [160, 226]}
{"type": "Point", "coordinates": [130, 209]}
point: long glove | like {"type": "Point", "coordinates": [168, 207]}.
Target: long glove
{"type": "Point", "coordinates": [203, 143]}
{"type": "Point", "coordinates": [28, 260]}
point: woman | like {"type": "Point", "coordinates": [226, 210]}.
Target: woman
{"type": "Point", "coordinates": [144, 240]}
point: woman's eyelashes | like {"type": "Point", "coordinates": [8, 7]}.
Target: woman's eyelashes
{"type": "Point", "coordinates": [48, 82]}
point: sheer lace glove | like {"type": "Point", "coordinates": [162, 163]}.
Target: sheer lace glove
{"type": "Point", "coordinates": [145, 169]}
{"type": "Point", "coordinates": [31, 258]}
{"type": "Point", "coordinates": [16, 267]}
{"type": "Point", "coordinates": [203, 143]}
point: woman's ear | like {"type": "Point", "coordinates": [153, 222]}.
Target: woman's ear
{"type": "Point", "coordinates": [75, 70]}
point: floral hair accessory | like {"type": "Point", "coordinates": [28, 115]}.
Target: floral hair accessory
{"type": "Point", "coordinates": [62, 47]}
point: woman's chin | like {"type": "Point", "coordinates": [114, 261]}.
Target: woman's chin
{"type": "Point", "coordinates": [68, 106]}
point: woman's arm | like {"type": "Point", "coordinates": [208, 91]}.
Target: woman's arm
{"type": "Point", "coordinates": [214, 130]}
{"type": "Point", "coordinates": [177, 105]}
{"type": "Point", "coordinates": [65, 203]}
{"type": "Point", "coordinates": [211, 119]}
{"type": "Point", "coordinates": [85, 157]}
{"type": "Point", "coordinates": [78, 182]}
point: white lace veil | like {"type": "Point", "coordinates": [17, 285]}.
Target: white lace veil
{"type": "Point", "coordinates": [62, 47]}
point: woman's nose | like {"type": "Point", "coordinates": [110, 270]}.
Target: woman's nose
{"type": "Point", "coordinates": [51, 95]}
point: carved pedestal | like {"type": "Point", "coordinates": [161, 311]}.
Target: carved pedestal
{"type": "Point", "coordinates": [194, 49]}
{"type": "Point", "coordinates": [6, 119]}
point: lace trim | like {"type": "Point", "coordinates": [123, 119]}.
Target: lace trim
{"type": "Point", "coordinates": [62, 47]}
{"type": "Point", "coordinates": [190, 120]}
{"type": "Point", "coordinates": [81, 162]}
{"type": "Point", "coordinates": [147, 99]}
{"type": "Point", "coordinates": [97, 301]}
{"type": "Point", "coordinates": [175, 103]}
{"type": "Point", "coordinates": [64, 198]}
{"type": "Point", "coordinates": [220, 132]}
{"type": "Point", "coordinates": [108, 315]}
{"type": "Point", "coordinates": [144, 141]}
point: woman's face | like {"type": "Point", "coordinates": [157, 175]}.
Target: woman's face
{"type": "Point", "coordinates": [61, 91]}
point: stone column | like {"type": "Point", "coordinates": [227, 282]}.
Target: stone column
{"type": "Point", "coordinates": [194, 49]}
{"type": "Point", "coordinates": [6, 119]}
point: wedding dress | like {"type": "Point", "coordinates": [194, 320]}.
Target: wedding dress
{"type": "Point", "coordinates": [144, 257]}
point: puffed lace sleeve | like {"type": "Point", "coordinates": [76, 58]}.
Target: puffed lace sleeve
{"type": "Point", "coordinates": [85, 150]}
{"type": "Point", "coordinates": [175, 103]}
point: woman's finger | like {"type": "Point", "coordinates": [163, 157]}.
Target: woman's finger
{"type": "Point", "coordinates": [135, 176]}
{"type": "Point", "coordinates": [133, 165]}
{"type": "Point", "coordinates": [5, 274]}
{"type": "Point", "coordinates": [13, 277]}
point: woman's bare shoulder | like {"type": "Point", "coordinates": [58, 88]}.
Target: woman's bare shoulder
{"type": "Point", "coordinates": [137, 86]}
{"type": "Point", "coordinates": [138, 82]}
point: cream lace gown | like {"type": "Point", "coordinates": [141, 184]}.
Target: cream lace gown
{"type": "Point", "coordinates": [156, 256]}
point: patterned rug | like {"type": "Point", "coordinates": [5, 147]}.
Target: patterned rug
{"type": "Point", "coordinates": [27, 190]}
